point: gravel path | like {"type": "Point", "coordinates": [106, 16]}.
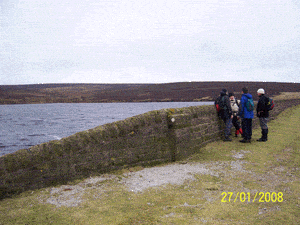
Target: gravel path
{"type": "Point", "coordinates": [174, 174]}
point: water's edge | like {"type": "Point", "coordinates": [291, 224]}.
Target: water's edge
{"type": "Point", "coordinates": [23, 126]}
{"type": "Point", "coordinates": [147, 139]}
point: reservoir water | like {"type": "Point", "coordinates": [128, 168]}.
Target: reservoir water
{"type": "Point", "coordinates": [22, 126]}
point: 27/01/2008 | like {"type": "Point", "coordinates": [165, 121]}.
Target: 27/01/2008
{"type": "Point", "coordinates": [261, 197]}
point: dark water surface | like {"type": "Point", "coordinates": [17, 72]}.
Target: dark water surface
{"type": "Point", "coordinates": [22, 126]}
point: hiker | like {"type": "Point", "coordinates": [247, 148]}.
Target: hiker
{"type": "Point", "coordinates": [262, 114]}
{"type": "Point", "coordinates": [246, 113]}
{"type": "Point", "coordinates": [235, 110]}
{"type": "Point", "coordinates": [225, 112]}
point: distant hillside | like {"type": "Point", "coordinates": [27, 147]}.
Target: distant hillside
{"type": "Point", "coordinates": [92, 93]}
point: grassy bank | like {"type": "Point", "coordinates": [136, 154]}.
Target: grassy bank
{"type": "Point", "coordinates": [272, 167]}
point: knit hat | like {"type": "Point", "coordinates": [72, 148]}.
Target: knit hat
{"type": "Point", "coordinates": [245, 90]}
{"type": "Point", "coordinates": [261, 91]}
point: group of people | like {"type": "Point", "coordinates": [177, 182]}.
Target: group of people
{"type": "Point", "coordinates": [231, 110]}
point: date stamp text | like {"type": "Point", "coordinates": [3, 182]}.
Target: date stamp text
{"type": "Point", "coordinates": [248, 197]}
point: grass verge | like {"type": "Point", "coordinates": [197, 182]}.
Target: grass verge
{"type": "Point", "coordinates": [248, 171]}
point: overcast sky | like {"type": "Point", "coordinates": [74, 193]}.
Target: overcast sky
{"type": "Point", "coordinates": [149, 41]}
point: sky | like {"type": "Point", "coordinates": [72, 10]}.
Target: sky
{"type": "Point", "coordinates": [149, 41]}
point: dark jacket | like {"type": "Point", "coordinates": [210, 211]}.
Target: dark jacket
{"type": "Point", "coordinates": [226, 112]}
{"type": "Point", "coordinates": [244, 113]}
{"type": "Point", "coordinates": [261, 108]}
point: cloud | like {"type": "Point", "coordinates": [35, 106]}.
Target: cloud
{"type": "Point", "coordinates": [148, 41]}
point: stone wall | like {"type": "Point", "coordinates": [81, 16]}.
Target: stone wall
{"type": "Point", "coordinates": [155, 137]}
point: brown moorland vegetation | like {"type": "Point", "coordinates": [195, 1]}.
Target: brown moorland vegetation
{"type": "Point", "coordinates": [95, 93]}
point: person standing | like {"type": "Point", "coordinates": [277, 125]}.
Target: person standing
{"type": "Point", "coordinates": [246, 113]}
{"type": "Point", "coordinates": [263, 114]}
{"type": "Point", "coordinates": [225, 113]}
{"type": "Point", "coordinates": [235, 110]}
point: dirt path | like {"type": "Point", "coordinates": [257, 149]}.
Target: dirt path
{"type": "Point", "coordinates": [174, 174]}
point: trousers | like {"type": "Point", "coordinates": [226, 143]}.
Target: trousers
{"type": "Point", "coordinates": [247, 128]}
{"type": "Point", "coordinates": [236, 123]}
{"type": "Point", "coordinates": [263, 121]}
{"type": "Point", "coordinates": [228, 125]}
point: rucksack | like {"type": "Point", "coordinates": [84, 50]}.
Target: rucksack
{"type": "Point", "coordinates": [250, 104]}
{"type": "Point", "coordinates": [217, 104]}
{"type": "Point", "coordinates": [270, 104]}
{"type": "Point", "coordinates": [234, 106]}
{"type": "Point", "coordinates": [222, 103]}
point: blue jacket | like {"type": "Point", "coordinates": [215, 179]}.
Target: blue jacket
{"type": "Point", "coordinates": [244, 113]}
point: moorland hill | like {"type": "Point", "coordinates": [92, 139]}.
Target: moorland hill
{"type": "Point", "coordinates": [95, 93]}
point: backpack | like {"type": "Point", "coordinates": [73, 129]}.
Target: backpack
{"type": "Point", "coordinates": [217, 104]}
{"type": "Point", "coordinates": [250, 104]}
{"type": "Point", "coordinates": [222, 103]}
{"type": "Point", "coordinates": [234, 106]}
{"type": "Point", "coordinates": [270, 104]}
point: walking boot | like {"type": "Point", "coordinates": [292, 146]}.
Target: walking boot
{"type": "Point", "coordinates": [261, 139]}
{"type": "Point", "coordinates": [266, 131]}
{"type": "Point", "coordinates": [241, 131]}
{"type": "Point", "coordinates": [245, 141]}
{"type": "Point", "coordinates": [237, 133]}
{"type": "Point", "coordinates": [264, 135]}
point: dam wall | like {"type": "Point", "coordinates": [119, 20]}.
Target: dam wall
{"type": "Point", "coordinates": [144, 140]}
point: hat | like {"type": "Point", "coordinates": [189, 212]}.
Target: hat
{"type": "Point", "coordinates": [224, 90]}
{"type": "Point", "coordinates": [231, 94]}
{"type": "Point", "coordinates": [245, 90]}
{"type": "Point", "coordinates": [261, 91]}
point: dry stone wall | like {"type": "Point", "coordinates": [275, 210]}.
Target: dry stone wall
{"type": "Point", "coordinates": [158, 136]}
